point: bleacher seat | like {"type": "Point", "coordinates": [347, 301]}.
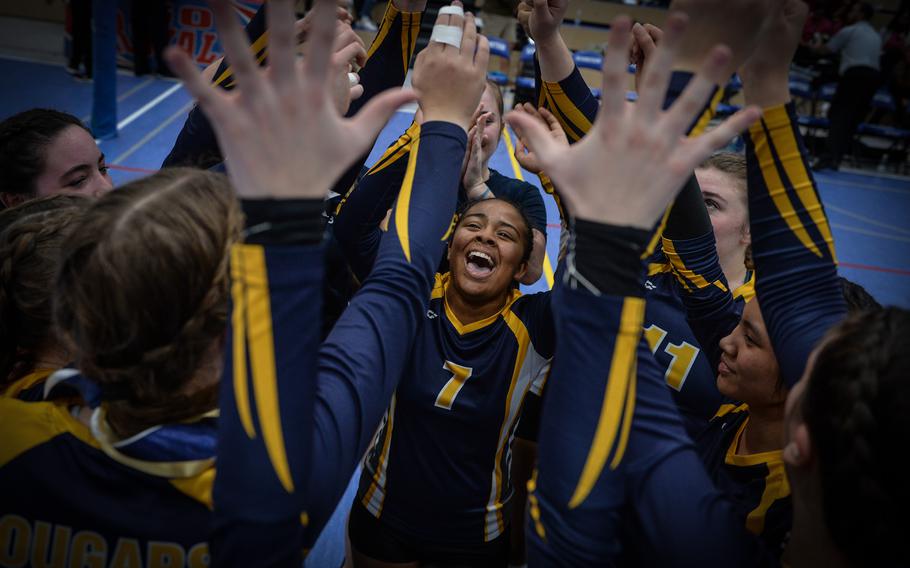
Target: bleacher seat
{"type": "Point", "coordinates": [527, 53]}
{"type": "Point", "coordinates": [588, 60]}
{"type": "Point", "coordinates": [499, 50]}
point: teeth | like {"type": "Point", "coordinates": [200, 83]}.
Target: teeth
{"type": "Point", "coordinates": [482, 255]}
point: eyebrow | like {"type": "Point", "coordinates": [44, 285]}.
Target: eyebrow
{"type": "Point", "coordinates": [752, 328]}
{"type": "Point", "coordinates": [712, 195]}
{"type": "Point", "coordinates": [75, 169]}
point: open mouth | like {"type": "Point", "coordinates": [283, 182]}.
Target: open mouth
{"type": "Point", "coordinates": [479, 264]}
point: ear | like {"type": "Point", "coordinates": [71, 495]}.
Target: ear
{"type": "Point", "coordinates": [522, 270]}
{"type": "Point", "coordinates": [12, 199]}
{"type": "Point", "coordinates": [745, 236]}
{"type": "Point", "coordinates": [798, 451]}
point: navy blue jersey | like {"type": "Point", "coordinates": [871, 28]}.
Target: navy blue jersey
{"type": "Point", "coordinates": [439, 467]}
{"type": "Point", "coordinates": [618, 480]}
{"type": "Point", "coordinates": [689, 370]}
{"type": "Point", "coordinates": [75, 496]}
{"type": "Point", "coordinates": [792, 244]}
{"type": "Point", "coordinates": [296, 417]}
{"type": "Point", "coordinates": [757, 483]}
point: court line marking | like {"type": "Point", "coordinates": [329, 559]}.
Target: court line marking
{"type": "Point", "coordinates": [148, 106]}
{"type": "Point", "coordinates": [875, 268]}
{"type": "Point", "coordinates": [154, 132]}
{"type": "Point", "coordinates": [124, 96]}
{"type": "Point", "coordinates": [869, 220]}
{"type": "Point", "coordinates": [871, 233]}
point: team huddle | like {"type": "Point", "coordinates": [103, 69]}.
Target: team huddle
{"type": "Point", "coordinates": [194, 365]}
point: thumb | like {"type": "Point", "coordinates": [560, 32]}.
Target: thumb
{"type": "Point", "coordinates": [535, 136]}
{"type": "Point", "coordinates": [541, 9]}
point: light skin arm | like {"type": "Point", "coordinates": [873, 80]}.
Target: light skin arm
{"type": "Point", "coordinates": [541, 19]}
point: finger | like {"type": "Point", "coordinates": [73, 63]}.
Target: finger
{"type": "Point", "coordinates": [655, 33]}
{"type": "Point", "coordinates": [551, 120]}
{"type": "Point", "coordinates": [468, 37]}
{"type": "Point", "coordinates": [692, 100]}
{"type": "Point", "coordinates": [615, 67]}
{"type": "Point", "coordinates": [542, 10]}
{"type": "Point", "coordinates": [320, 40]}
{"type": "Point", "coordinates": [658, 70]}
{"type": "Point", "coordinates": [350, 52]}
{"type": "Point", "coordinates": [367, 123]}
{"type": "Point", "coordinates": [643, 41]}
{"type": "Point", "coordinates": [717, 138]}
{"type": "Point", "coordinates": [356, 92]}
{"type": "Point", "coordinates": [209, 96]}
{"type": "Point", "coordinates": [345, 35]}
{"type": "Point", "coordinates": [482, 56]}
{"type": "Point", "coordinates": [449, 20]}
{"type": "Point", "coordinates": [536, 136]}
{"type": "Point", "coordinates": [282, 56]}
{"type": "Point", "coordinates": [343, 15]}
{"type": "Point", "coordinates": [236, 46]}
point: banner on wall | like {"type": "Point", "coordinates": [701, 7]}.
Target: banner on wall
{"type": "Point", "coordinates": [191, 25]}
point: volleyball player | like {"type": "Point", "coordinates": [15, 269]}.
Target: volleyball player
{"type": "Point", "coordinates": [565, 94]}
{"type": "Point", "coordinates": [31, 236]}
{"type": "Point", "coordinates": [45, 152]}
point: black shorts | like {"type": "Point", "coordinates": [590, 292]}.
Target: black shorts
{"type": "Point", "coordinates": [374, 538]}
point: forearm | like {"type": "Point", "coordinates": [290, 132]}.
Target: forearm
{"type": "Point", "coordinates": [792, 244]}
{"type": "Point", "coordinates": [363, 358]}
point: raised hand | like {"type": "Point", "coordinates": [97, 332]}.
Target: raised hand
{"type": "Point", "coordinates": [449, 81]}
{"type": "Point", "coordinates": [629, 167]}
{"type": "Point", "coordinates": [734, 23]}
{"type": "Point", "coordinates": [765, 74]}
{"type": "Point", "coordinates": [545, 18]}
{"type": "Point", "coordinates": [281, 133]}
{"type": "Point", "coordinates": [644, 41]}
{"type": "Point", "coordinates": [526, 158]}
{"type": "Point", "coordinates": [472, 179]}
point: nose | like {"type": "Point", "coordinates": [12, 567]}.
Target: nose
{"type": "Point", "coordinates": [728, 344]}
{"type": "Point", "coordinates": [486, 236]}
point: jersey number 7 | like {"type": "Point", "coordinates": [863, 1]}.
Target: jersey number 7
{"type": "Point", "coordinates": [450, 390]}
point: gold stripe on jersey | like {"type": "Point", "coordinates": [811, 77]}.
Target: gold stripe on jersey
{"type": "Point", "coordinates": [684, 274]}
{"type": "Point", "coordinates": [784, 141]}
{"type": "Point", "coordinates": [655, 268]}
{"type": "Point", "coordinates": [258, 326]}
{"type": "Point", "coordinates": [410, 28]}
{"type": "Point", "coordinates": [238, 319]}
{"type": "Point", "coordinates": [610, 423]}
{"type": "Point", "coordinates": [707, 114]}
{"type": "Point", "coordinates": [516, 170]}
{"type": "Point", "coordinates": [627, 418]}
{"type": "Point", "coordinates": [403, 203]}
{"type": "Point", "coordinates": [462, 328]}
{"type": "Point", "coordinates": [26, 425]}
{"type": "Point", "coordinates": [776, 188]}
{"type": "Point", "coordinates": [28, 381]}
{"type": "Point", "coordinates": [534, 507]}
{"type": "Point", "coordinates": [259, 49]}
{"type": "Point", "coordinates": [563, 120]}
{"type": "Point", "coordinates": [106, 440]}
{"type": "Point", "coordinates": [528, 365]}
{"type": "Point", "coordinates": [776, 484]}
{"type": "Point", "coordinates": [198, 487]}
{"type": "Point", "coordinates": [655, 238]}
{"type": "Point", "coordinates": [564, 104]}
{"type": "Point", "coordinates": [388, 18]}
{"type": "Point", "coordinates": [747, 290]}
{"type": "Point", "coordinates": [375, 497]}
{"type": "Point", "coordinates": [728, 408]}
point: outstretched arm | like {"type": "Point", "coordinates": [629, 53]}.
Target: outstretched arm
{"type": "Point", "coordinates": [792, 245]}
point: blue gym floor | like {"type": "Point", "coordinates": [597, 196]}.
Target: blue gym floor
{"type": "Point", "coordinates": [870, 214]}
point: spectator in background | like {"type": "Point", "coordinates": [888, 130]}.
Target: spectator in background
{"type": "Point", "coordinates": [149, 21]}
{"type": "Point", "coordinates": [81, 47]}
{"type": "Point", "coordinates": [860, 46]}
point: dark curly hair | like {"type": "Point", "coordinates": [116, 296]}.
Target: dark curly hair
{"type": "Point", "coordinates": [857, 410]}
{"type": "Point", "coordinates": [23, 139]}
{"type": "Point", "coordinates": [527, 237]}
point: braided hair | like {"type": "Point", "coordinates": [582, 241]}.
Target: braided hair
{"type": "Point", "coordinates": [23, 140]}
{"type": "Point", "coordinates": [857, 410]}
{"type": "Point", "coordinates": [31, 236]}
{"type": "Point", "coordinates": [143, 293]}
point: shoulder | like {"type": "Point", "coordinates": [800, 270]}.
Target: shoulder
{"type": "Point", "coordinates": [26, 425]}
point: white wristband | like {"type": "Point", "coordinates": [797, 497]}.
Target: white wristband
{"type": "Point", "coordinates": [450, 35]}
{"type": "Point", "coordinates": [451, 11]}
